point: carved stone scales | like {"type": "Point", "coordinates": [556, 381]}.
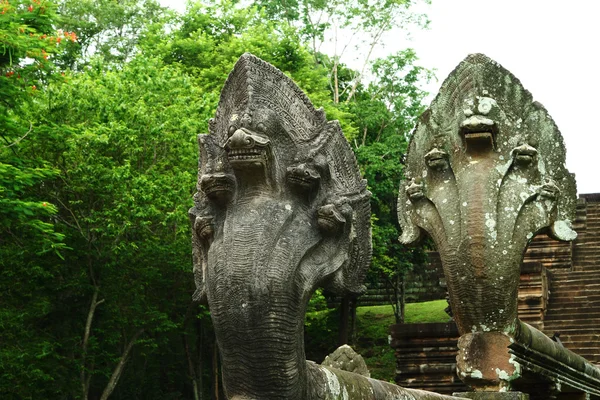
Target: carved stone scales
{"type": "Point", "coordinates": [281, 209]}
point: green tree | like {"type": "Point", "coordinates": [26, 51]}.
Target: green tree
{"type": "Point", "coordinates": [123, 144]}
{"type": "Point", "coordinates": [385, 113]}
{"type": "Point", "coordinates": [107, 29]}
{"type": "Point", "coordinates": [126, 154]}
{"type": "Point", "coordinates": [98, 169]}
{"type": "Point", "coordinates": [28, 239]}
{"type": "Point", "coordinates": [349, 25]}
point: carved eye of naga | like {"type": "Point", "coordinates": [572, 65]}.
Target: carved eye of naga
{"type": "Point", "coordinates": [548, 191]}
{"type": "Point", "coordinates": [331, 218]}
{"type": "Point", "coordinates": [414, 191]}
{"type": "Point", "coordinates": [437, 159]}
{"type": "Point", "coordinates": [204, 227]}
{"type": "Point", "coordinates": [524, 154]}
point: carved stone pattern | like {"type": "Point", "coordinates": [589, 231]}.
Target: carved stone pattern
{"type": "Point", "coordinates": [485, 173]}
{"type": "Point", "coordinates": [346, 359]}
{"type": "Point", "coordinates": [281, 209]}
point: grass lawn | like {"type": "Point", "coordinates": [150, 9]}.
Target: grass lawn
{"type": "Point", "coordinates": [372, 331]}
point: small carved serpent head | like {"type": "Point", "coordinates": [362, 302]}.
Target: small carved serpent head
{"type": "Point", "coordinates": [437, 159]}
{"type": "Point", "coordinates": [305, 176]}
{"type": "Point", "coordinates": [332, 217]}
{"type": "Point", "coordinates": [524, 154]}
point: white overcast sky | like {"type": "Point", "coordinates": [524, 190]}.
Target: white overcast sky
{"type": "Point", "coordinates": [552, 46]}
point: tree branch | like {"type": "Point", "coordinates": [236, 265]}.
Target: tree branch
{"type": "Point", "coordinates": [85, 380]}
{"type": "Point", "coordinates": [114, 379]}
{"type": "Point", "coordinates": [22, 137]}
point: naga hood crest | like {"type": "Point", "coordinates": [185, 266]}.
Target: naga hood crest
{"type": "Point", "coordinates": [268, 140]}
{"type": "Point", "coordinates": [485, 173]}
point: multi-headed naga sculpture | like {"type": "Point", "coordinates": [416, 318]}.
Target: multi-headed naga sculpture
{"type": "Point", "coordinates": [485, 173]}
{"type": "Point", "coordinates": [281, 209]}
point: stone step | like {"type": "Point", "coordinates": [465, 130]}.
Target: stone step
{"type": "Point", "coordinates": [580, 344]}
{"type": "Point", "coordinates": [571, 302]}
{"type": "Point", "coordinates": [584, 351]}
{"type": "Point", "coordinates": [580, 281]}
{"type": "Point", "coordinates": [569, 270]}
{"type": "Point", "coordinates": [582, 301]}
{"type": "Point", "coordinates": [567, 321]}
{"type": "Point", "coordinates": [562, 293]}
{"type": "Point", "coordinates": [581, 339]}
{"type": "Point", "coordinates": [558, 293]}
{"type": "Point", "coordinates": [579, 293]}
{"type": "Point", "coordinates": [570, 330]}
{"type": "Point", "coordinates": [573, 313]}
{"type": "Point", "coordinates": [587, 245]}
{"type": "Point", "coordinates": [578, 278]}
{"type": "Point", "coordinates": [556, 299]}
{"type": "Point", "coordinates": [556, 284]}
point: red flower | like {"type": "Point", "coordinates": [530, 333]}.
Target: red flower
{"type": "Point", "coordinates": [33, 87]}
{"type": "Point", "coordinates": [44, 204]}
{"type": "Point", "coordinates": [30, 8]}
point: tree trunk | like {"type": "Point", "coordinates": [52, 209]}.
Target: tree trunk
{"type": "Point", "coordinates": [403, 299]}
{"type": "Point", "coordinates": [191, 370]}
{"type": "Point", "coordinates": [399, 299]}
{"type": "Point", "coordinates": [200, 329]}
{"type": "Point", "coordinates": [344, 321]}
{"type": "Point", "coordinates": [352, 334]}
{"type": "Point", "coordinates": [216, 371]}
{"type": "Point", "coordinates": [374, 42]}
{"type": "Point", "coordinates": [85, 377]}
{"type": "Point", "coordinates": [114, 379]}
{"type": "Point", "coordinates": [336, 88]}
{"type": "Point", "coordinates": [194, 358]}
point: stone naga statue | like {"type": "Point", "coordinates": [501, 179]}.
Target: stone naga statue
{"type": "Point", "coordinates": [281, 209]}
{"type": "Point", "coordinates": [485, 173]}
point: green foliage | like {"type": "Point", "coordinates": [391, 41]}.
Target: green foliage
{"type": "Point", "coordinates": [212, 38]}
{"type": "Point", "coordinates": [127, 159]}
{"type": "Point", "coordinates": [372, 332]}
{"type": "Point", "coordinates": [385, 113]}
{"type": "Point", "coordinates": [416, 313]}
{"type": "Point", "coordinates": [98, 166]}
{"type": "Point", "coordinates": [321, 333]}
{"type": "Point", "coordinates": [24, 220]}
{"type": "Point", "coordinates": [371, 336]}
{"type": "Point", "coordinates": [30, 246]}
{"type": "Point", "coordinates": [107, 29]}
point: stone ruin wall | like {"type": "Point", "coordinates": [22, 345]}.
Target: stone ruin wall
{"type": "Point", "coordinates": [559, 292]}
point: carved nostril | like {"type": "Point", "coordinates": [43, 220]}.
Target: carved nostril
{"type": "Point", "coordinates": [241, 139]}
{"type": "Point", "coordinates": [306, 173]}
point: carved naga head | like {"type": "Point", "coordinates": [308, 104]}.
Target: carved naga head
{"type": "Point", "coordinates": [485, 173]}
{"type": "Point", "coordinates": [281, 210]}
